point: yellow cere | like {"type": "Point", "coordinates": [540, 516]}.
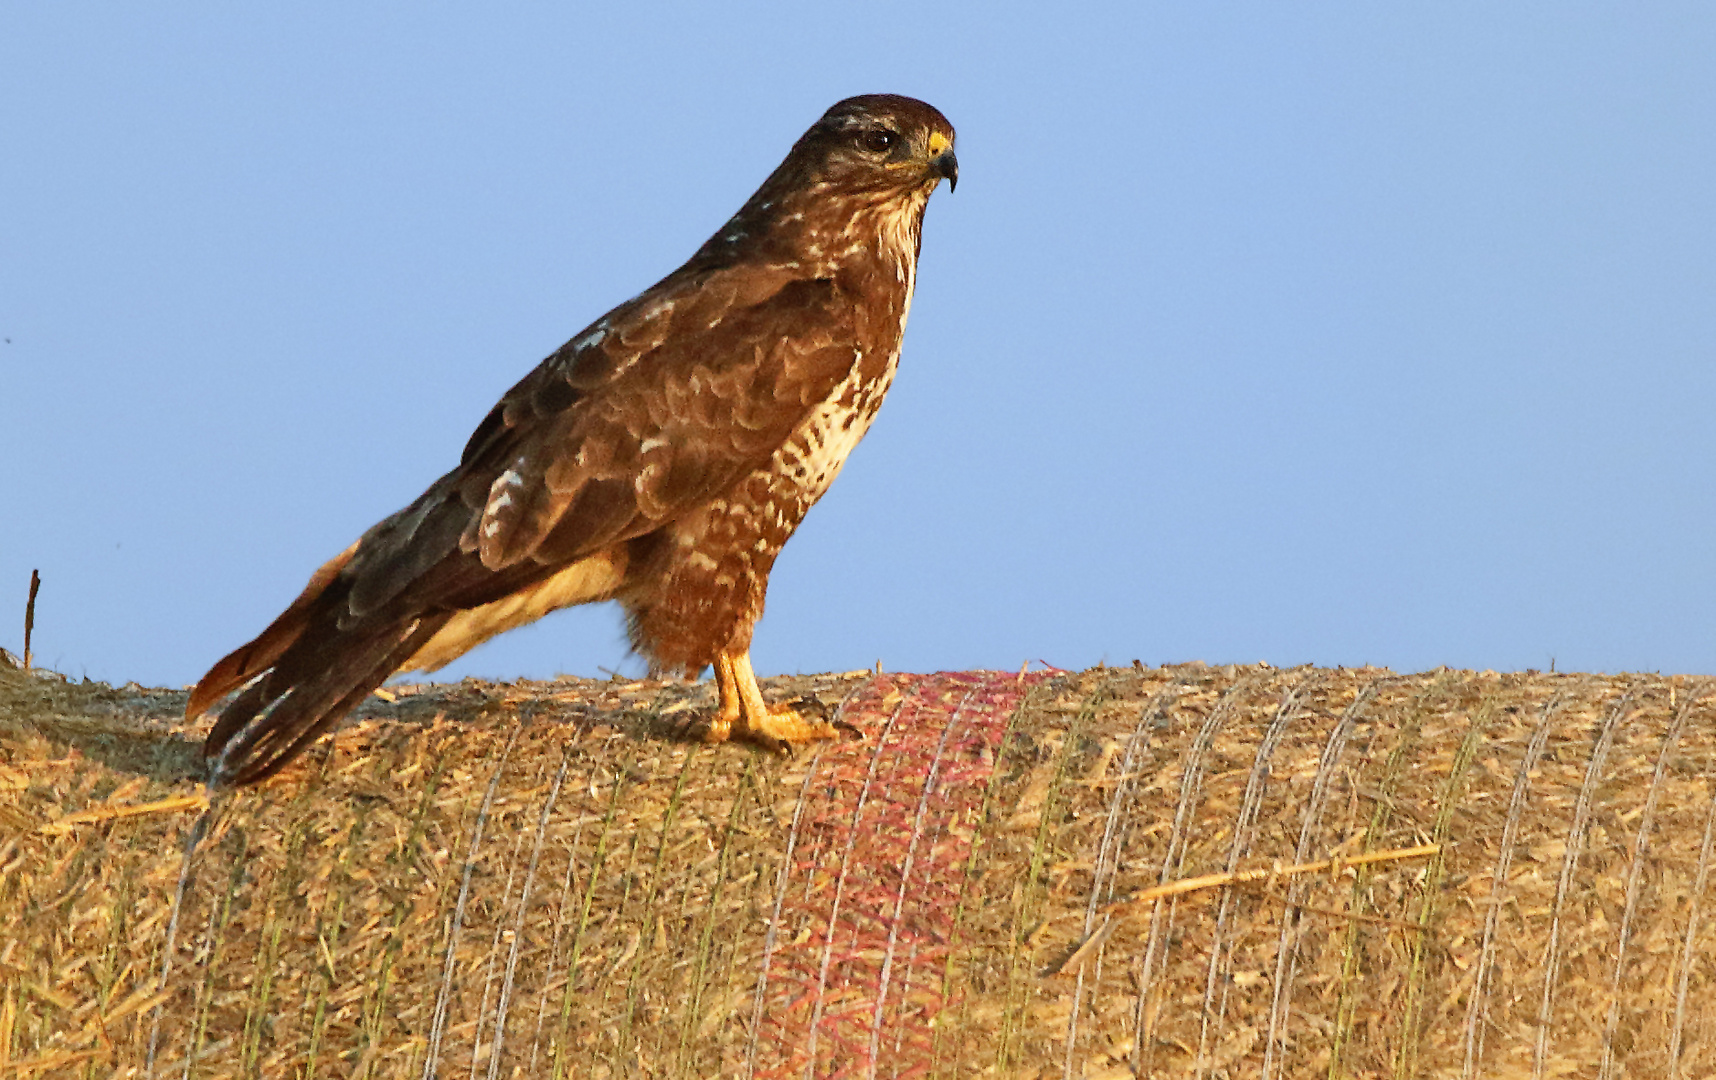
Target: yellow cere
{"type": "Point", "coordinates": [938, 142]}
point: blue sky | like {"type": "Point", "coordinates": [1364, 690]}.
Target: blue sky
{"type": "Point", "coordinates": [1329, 333]}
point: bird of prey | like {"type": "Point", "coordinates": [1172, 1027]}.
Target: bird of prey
{"type": "Point", "coordinates": [660, 458]}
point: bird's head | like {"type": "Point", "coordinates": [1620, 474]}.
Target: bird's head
{"type": "Point", "coordinates": [855, 183]}
{"type": "Point", "coordinates": [882, 143]}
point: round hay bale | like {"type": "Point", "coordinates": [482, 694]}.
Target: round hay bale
{"type": "Point", "coordinates": [551, 879]}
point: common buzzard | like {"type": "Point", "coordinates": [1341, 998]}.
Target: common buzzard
{"type": "Point", "coordinates": [660, 458]}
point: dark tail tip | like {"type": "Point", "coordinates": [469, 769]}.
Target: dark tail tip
{"type": "Point", "coordinates": [309, 690]}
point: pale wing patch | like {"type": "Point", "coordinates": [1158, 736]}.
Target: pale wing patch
{"type": "Point", "coordinates": [585, 581]}
{"type": "Point", "coordinates": [503, 514]}
{"type": "Point", "coordinates": [502, 508]}
{"type": "Point", "coordinates": [592, 337]}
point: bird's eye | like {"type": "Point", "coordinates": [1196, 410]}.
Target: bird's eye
{"type": "Point", "coordinates": [879, 140]}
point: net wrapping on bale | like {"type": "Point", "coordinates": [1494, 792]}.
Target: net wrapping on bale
{"type": "Point", "coordinates": [551, 879]}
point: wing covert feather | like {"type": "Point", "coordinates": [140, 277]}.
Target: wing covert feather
{"type": "Point", "coordinates": [652, 421]}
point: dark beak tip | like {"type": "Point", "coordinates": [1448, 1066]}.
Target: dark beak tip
{"type": "Point", "coordinates": [948, 166]}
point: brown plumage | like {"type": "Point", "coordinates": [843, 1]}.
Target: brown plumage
{"type": "Point", "coordinates": [661, 457]}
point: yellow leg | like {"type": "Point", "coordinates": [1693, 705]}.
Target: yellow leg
{"type": "Point", "coordinates": [744, 715]}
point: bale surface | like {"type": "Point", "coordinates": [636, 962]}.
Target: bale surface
{"type": "Point", "coordinates": [552, 879]}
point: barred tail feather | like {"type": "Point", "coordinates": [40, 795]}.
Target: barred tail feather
{"type": "Point", "coordinates": [345, 634]}
{"type": "Point", "coordinates": [311, 685]}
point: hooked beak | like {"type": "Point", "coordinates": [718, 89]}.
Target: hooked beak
{"type": "Point", "coordinates": [947, 166]}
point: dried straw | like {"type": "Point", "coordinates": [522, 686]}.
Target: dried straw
{"type": "Point", "coordinates": [1453, 873]}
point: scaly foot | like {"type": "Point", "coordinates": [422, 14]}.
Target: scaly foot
{"type": "Point", "coordinates": [744, 715]}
